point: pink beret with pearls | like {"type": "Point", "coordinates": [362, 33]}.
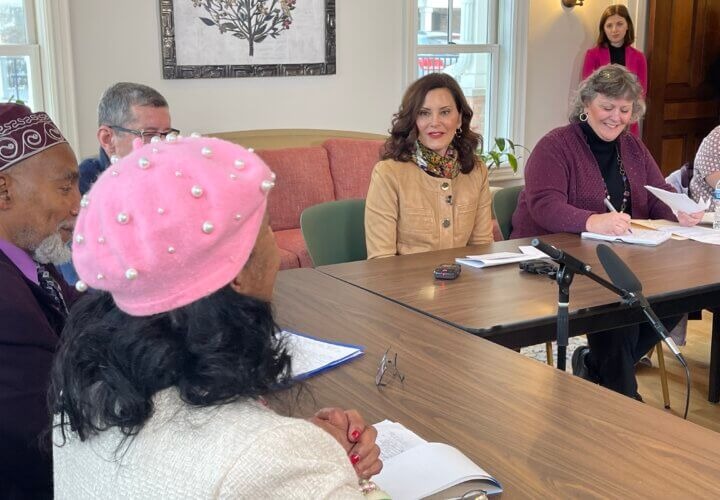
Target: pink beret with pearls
{"type": "Point", "coordinates": [172, 222]}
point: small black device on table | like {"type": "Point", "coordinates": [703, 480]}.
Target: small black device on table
{"type": "Point", "coordinates": [447, 271]}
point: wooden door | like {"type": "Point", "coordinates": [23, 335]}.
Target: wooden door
{"type": "Point", "coordinates": [683, 40]}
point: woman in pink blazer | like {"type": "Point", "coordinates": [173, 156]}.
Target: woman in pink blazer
{"type": "Point", "coordinates": [616, 34]}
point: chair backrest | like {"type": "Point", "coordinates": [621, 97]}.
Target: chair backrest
{"type": "Point", "coordinates": [334, 232]}
{"type": "Point", "coordinates": [504, 204]}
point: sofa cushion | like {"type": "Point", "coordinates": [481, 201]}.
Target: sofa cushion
{"type": "Point", "coordinates": [288, 260]}
{"type": "Point", "coordinates": [351, 163]}
{"type": "Point", "coordinates": [303, 180]}
{"type": "Point", "coordinates": [292, 241]}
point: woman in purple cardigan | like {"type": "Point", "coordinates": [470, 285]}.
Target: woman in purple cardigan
{"type": "Point", "coordinates": [568, 176]}
{"type": "Point", "coordinates": [615, 37]}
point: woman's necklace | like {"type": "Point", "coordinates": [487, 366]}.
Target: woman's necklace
{"type": "Point", "coordinates": [626, 186]}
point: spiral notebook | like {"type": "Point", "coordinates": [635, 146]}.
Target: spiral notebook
{"type": "Point", "coordinates": [646, 237]}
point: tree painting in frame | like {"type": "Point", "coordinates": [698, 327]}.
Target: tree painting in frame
{"type": "Point", "coordinates": [244, 38]}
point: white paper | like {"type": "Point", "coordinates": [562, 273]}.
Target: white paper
{"type": "Point", "coordinates": [394, 438]}
{"type": "Point", "coordinates": [679, 202]}
{"type": "Point", "coordinates": [648, 237]}
{"type": "Point", "coordinates": [415, 468]}
{"type": "Point", "coordinates": [500, 258]}
{"type": "Point", "coordinates": [310, 355]}
{"type": "Point", "coordinates": [696, 233]}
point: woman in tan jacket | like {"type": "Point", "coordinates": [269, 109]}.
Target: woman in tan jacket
{"type": "Point", "coordinates": [430, 191]}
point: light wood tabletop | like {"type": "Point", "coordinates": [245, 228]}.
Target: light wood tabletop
{"type": "Point", "coordinates": [541, 432]}
{"type": "Point", "coordinates": [517, 309]}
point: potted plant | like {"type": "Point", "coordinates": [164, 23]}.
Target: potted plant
{"type": "Point", "coordinates": [503, 151]}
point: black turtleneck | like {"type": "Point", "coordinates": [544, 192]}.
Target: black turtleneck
{"type": "Point", "coordinates": [605, 154]}
{"type": "Point", "coordinates": [617, 55]}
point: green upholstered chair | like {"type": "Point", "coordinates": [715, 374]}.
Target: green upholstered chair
{"type": "Point", "coordinates": [334, 232]}
{"type": "Point", "coordinates": [504, 203]}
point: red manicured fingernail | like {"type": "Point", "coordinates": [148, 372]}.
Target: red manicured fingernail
{"type": "Point", "coordinates": [355, 434]}
{"type": "Point", "coordinates": [354, 458]}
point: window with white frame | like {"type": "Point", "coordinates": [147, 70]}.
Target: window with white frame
{"type": "Point", "coordinates": [481, 43]}
{"type": "Point", "coordinates": [20, 77]}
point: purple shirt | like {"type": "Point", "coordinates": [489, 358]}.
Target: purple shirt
{"type": "Point", "coordinates": [564, 186]}
{"type": "Point", "coordinates": [21, 259]}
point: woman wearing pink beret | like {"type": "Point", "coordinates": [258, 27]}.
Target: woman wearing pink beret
{"type": "Point", "coordinates": [615, 37]}
{"type": "Point", "coordinates": [158, 386]}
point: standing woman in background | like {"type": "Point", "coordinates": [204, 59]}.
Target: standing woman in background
{"type": "Point", "coordinates": [616, 35]}
{"type": "Point", "coordinates": [430, 191]}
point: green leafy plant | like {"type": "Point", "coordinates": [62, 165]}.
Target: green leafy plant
{"type": "Point", "coordinates": [503, 151]}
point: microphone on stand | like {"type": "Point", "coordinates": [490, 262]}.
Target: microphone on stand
{"type": "Point", "coordinates": [621, 275]}
{"type": "Point", "coordinates": [623, 278]}
{"type": "Point", "coordinates": [561, 257]}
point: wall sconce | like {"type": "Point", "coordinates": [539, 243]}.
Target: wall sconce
{"type": "Point", "coordinates": [572, 3]}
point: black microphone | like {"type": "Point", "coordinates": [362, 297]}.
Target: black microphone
{"type": "Point", "coordinates": [621, 275]}
{"type": "Point", "coordinates": [561, 257]}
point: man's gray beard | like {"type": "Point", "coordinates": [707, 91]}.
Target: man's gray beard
{"type": "Point", "coordinates": [52, 250]}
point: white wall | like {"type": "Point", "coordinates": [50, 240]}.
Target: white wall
{"type": "Point", "coordinates": [557, 41]}
{"type": "Point", "coordinates": [118, 40]}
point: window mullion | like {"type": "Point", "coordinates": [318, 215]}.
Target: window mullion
{"type": "Point", "coordinates": [456, 49]}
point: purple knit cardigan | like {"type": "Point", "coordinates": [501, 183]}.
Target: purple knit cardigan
{"type": "Point", "coordinates": [563, 184]}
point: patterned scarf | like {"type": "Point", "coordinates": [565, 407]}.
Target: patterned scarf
{"type": "Point", "coordinates": [447, 166]}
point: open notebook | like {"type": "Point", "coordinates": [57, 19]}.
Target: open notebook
{"type": "Point", "coordinates": [637, 237]}
{"type": "Point", "coordinates": [414, 468]}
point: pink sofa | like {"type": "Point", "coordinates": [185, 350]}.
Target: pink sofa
{"type": "Point", "coordinates": [306, 176]}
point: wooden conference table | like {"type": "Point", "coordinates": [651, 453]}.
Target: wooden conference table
{"type": "Point", "coordinates": [517, 309]}
{"type": "Point", "coordinates": [541, 432]}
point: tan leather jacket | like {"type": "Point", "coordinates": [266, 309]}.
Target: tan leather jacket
{"type": "Point", "coordinates": [408, 211]}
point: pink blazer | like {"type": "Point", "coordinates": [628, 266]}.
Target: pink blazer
{"type": "Point", "coordinates": [634, 61]}
{"type": "Point", "coordinates": [600, 56]}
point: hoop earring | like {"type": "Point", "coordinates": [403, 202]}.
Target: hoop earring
{"type": "Point", "coordinates": [458, 132]}
{"type": "Point", "coordinates": [583, 116]}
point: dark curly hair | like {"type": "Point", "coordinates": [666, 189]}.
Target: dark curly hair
{"type": "Point", "coordinates": [400, 145]}
{"type": "Point", "coordinates": [216, 350]}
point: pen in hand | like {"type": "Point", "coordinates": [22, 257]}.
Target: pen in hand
{"type": "Point", "coordinates": [612, 209]}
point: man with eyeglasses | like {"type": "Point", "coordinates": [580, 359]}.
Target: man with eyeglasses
{"type": "Point", "coordinates": [127, 111]}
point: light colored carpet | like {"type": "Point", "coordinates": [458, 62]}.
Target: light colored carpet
{"type": "Point", "coordinates": [539, 353]}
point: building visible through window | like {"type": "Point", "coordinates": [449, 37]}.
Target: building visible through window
{"type": "Point", "coordinates": [19, 54]}
{"type": "Point", "coordinates": [473, 41]}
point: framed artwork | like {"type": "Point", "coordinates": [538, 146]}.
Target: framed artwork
{"type": "Point", "coordinates": [246, 38]}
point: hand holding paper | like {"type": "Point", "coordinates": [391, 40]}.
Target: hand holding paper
{"type": "Point", "coordinates": [678, 202]}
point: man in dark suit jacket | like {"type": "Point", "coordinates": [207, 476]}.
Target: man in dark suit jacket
{"type": "Point", "coordinates": [39, 201]}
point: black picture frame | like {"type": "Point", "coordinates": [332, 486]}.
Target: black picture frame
{"type": "Point", "coordinates": [172, 70]}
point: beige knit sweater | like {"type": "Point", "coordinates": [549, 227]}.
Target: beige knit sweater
{"type": "Point", "coordinates": [240, 450]}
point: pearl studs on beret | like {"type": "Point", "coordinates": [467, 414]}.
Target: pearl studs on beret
{"type": "Point", "coordinates": [178, 207]}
